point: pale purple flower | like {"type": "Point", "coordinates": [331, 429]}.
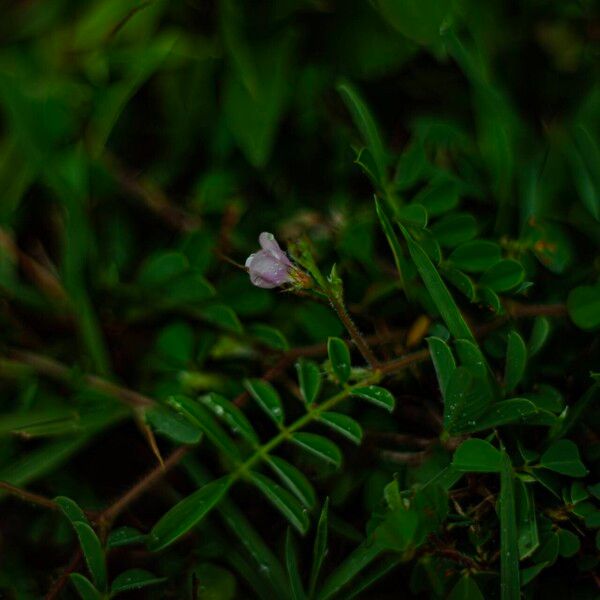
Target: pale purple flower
{"type": "Point", "coordinates": [269, 267]}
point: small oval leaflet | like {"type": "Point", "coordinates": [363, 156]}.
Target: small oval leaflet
{"type": "Point", "coordinates": [230, 414]}
{"type": "Point", "coordinates": [187, 513]}
{"type": "Point", "coordinates": [295, 480]}
{"type": "Point", "coordinates": [309, 379]}
{"type": "Point", "coordinates": [123, 536]}
{"type": "Point", "coordinates": [320, 446]}
{"type": "Point", "coordinates": [339, 355]}
{"type": "Point", "coordinates": [343, 424]}
{"type": "Point", "coordinates": [267, 398]}
{"type": "Point", "coordinates": [134, 579]}
{"type": "Point", "coordinates": [376, 395]}
{"type": "Point", "coordinates": [289, 507]}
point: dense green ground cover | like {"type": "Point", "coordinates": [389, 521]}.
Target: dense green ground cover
{"type": "Point", "coordinates": [413, 413]}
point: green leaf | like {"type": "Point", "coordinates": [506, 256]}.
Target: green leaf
{"type": "Point", "coordinates": [264, 561]}
{"type": "Point", "coordinates": [319, 446]}
{"type": "Point", "coordinates": [267, 398]}
{"type": "Point", "coordinates": [504, 275]}
{"type": "Point", "coordinates": [283, 501]}
{"type": "Point", "coordinates": [201, 418]}
{"type": "Point", "coordinates": [254, 96]}
{"type": "Point", "coordinates": [527, 526]}
{"type": "Point", "coordinates": [439, 292]}
{"type": "Point", "coordinates": [548, 551]}
{"type": "Point", "coordinates": [489, 299]}
{"type": "Point", "coordinates": [339, 355]}
{"type": "Point", "coordinates": [291, 561]}
{"type": "Point", "coordinates": [320, 547]}
{"type": "Point", "coordinates": [412, 215]}
{"type": "Point", "coordinates": [93, 553]}
{"type": "Point", "coordinates": [539, 335]}
{"type": "Point", "coordinates": [349, 568]}
{"type": "Point", "coordinates": [222, 316]}
{"type": "Point", "coordinates": [568, 543]}
{"type": "Point", "coordinates": [443, 361]}
{"type": "Point", "coordinates": [550, 244]}
{"type": "Point", "coordinates": [367, 128]}
{"type": "Point", "coordinates": [71, 509]}
{"type": "Point", "coordinates": [228, 412]}
{"type": "Point", "coordinates": [84, 587]}
{"type": "Point", "coordinates": [462, 282]}
{"type": "Point", "coordinates": [454, 229]}
{"type": "Point", "coordinates": [376, 395]}
{"type": "Point", "coordinates": [563, 457]}
{"type": "Point", "coordinates": [583, 305]}
{"type": "Point", "coordinates": [123, 536]}
{"type": "Point", "coordinates": [217, 583]}
{"type": "Point", "coordinates": [466, 589]}
{"type": "Point", "coordinates": [475, 256]}
{"type": "Point", "coordinates": [309, 378]}
{"type": "Point", "coordinates": [394, 244]}
{"type": "Point", "coordinates": [176, 343]}
{"type": "Point", "coordinates": [509, 546]}
{"type": "Point", "coordinates": [343, 424]}
{"type": "Point", "coordinates": [516, 361]}
{"type": "Point", "coordinates": [502, 413]}
{"type": "Point", "coordinates": [187, 513]}
{"type": "Point", "coordinates": [584, 155]}
{"type": "Point", "coordinates": [161, 267]}
{"type": "Point", "coordinates": [467, 399]}
{"type": "Point", "coordinates": [90, 544]}
{"type": "Point", "coordinates": [269, 336]}
{"type": "Point", "coordinates": [294, 480]}
{"type": "Point", "coordinates": [418, 20]}
{"type": "Point", "coordinates": [172, 425]}
{"type": "Point", "coordinates": [477, 456]}
{"type": "Point", "coordinates": [134, 579]}
{"type": "Point", "coordinates": [530, 573]}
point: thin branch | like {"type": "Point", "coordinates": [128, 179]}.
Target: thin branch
{"type": "Point", "coordinates": [42, 277]}
{"type": "Point", "coordinates": [151, 196]}
{"type": "Point", "coordinates": [60, 583]}
{"type": "Point", "coordinates": [26, 496]}
{"type": "Point", "coordinates": [107, 516]}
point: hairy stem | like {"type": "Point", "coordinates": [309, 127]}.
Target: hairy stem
{"type": "Point", "coordinates": [355, 334]}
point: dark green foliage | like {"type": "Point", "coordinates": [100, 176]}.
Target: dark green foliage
{"type": "Point", "coordinates": [413, 413]}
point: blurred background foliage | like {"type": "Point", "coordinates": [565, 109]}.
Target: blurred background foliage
{"type": "Point", "coordinates": [142, 141]}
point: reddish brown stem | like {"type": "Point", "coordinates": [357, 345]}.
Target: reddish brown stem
{"type": "Point", "coordinates": [26, 496]}
{"type": "Point", "coordinates": [107, 516]}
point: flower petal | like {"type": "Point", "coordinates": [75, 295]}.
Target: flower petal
{"type": "Point", "coordinates": [266, 271]}
{"type": "Point", "coordinates": [269, 244]}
